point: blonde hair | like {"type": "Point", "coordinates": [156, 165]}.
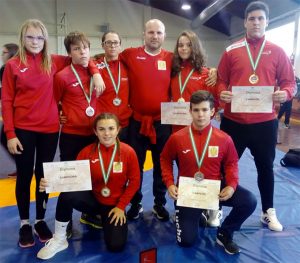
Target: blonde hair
{"type": "Point", "coordinates": [46, 58]}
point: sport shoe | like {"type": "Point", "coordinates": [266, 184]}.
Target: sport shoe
{"type": "Point", "coordinates": [26, 237]}
{"type": "Point", "coordinates": [269, 218]}
{"type": "Point", "coordinates": [214, 218]}
{"type": "Point", "coordinates": [52, 246]}
{"type": "Point", "coordinates": [134, 212]}
{"type": "Point", "coordinates": [91, 220]}
{"type": "Point", "coordinates": [42, 231]}
{"type": "Point", "coordinates": [160, 212]}
{"type": "Point", "coordinates": [226, 241]}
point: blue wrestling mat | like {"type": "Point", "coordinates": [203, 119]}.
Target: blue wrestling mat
{"type": "Point", "coordinates": [257, 243]}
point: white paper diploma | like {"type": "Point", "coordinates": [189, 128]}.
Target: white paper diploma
{"type": "Point", "coordinates": [250, 99]}
{"type": "Point", "coordinates": [176, 113]}
{"type": "Point", "coordinates": [68, 176]}
{"type": "Point", "coordinates": [198, 194]}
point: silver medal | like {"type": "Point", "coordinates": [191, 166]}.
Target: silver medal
{"type": "Point", "coordinates": [90, 111]}
{"type": "Point", "coordinates": [117, 101]}
{"type": "Point", "coordinates": [105, 192]}
{"type": "Point", "coordinates": [199, 176]}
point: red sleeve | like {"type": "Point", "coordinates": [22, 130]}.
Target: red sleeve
{"type": "Point", "coordinates": [285, 75]}
{"type": "Point", "coordinates": [93, 67]}
{"type": "Point", "coordinates": [133, 174]}
{"type": "Point", "coordinates": [166, 161]}
{"type": "Point", "coordinates": [60, 61]}
{"type": "Point", "coordinates": [58, 87]}
{"type": "Point", "coordinates": [230, 164]}
{"type": "Point", "coordinates": [7, 99]}
{"type": "Point", "coordinates": [223, 74]}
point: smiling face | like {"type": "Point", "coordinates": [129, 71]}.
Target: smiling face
{"type": "Point", "coordinates": [184, 48]}
{"type": "Point", "coordinates": [256, 24]}
{"type": "Point", "coordinates": [34, 40]}
{"type": "Point", "coordinates": [107, 131]}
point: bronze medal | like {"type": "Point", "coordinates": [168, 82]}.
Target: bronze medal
{"type": "Point", "coordinates": [253, 79]}
{"type": "Point", "coordinates": [181, 100]}
{"type": "Point", "coordinates": [105, 191]}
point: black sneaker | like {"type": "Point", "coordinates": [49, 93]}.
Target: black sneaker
{"type": "Point", "coordinates": [134, 212]}
{"type": "Point", "coordinates": [91, 220]}
{"type": "Point", "coordinates": [160, 212]}
{"type": "Point", "coordinates": [26, 237]}
{"type": "Point", "coordinates": [226, 241]}
{"type": "Point", "coordinates": [42, 231]}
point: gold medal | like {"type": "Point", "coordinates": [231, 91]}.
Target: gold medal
{"type": "Point", "coordinates": [90, 111]}
{"type": "Point", "coordinates": [181, 100]}
{"type": "Point", "coordinates": [105, 192]}
{"type": "Point", "coordinates": [253, 79]}
{"type": "Point", "coordinates": [199, 176]}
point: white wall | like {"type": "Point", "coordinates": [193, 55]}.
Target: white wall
{"type": "Point", "coordinates": [123, 16]}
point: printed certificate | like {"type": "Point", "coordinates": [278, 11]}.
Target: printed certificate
{"type": "Point", "coordinates": [68, 176]}
{"type": "Point", "coordinates": [250, 99]}
{"type": "Point", "coordinates": [176, 113]}
{"type": "Point", "coordinates": [198, 194]}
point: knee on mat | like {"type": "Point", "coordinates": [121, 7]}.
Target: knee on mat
{"type": "Point", "coordinates": [115, 247]}
{"type": "Point", "coordinates": [185, 242]}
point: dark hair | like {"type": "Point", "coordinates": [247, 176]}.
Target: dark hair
{"type": "Point", "coordinates": [12, 49]}
{"type": "Point", "coordinates": [110, 32]}
{"type": "Point", "coordinates": [197, 58]}
{"type": "Point", "coordinates": [74, 38]}
{"type": "Point", "coordinates": [257, 5]}
{"type": "Point", "coordinates": [200, 96]}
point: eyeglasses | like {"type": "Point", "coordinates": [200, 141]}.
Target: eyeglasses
{"type": "Point", "coordinates": [32, 38]}
{"type": "Point", "coordinates": [111, 43]}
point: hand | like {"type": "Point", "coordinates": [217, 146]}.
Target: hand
{"type": "Point", "coordinates": [43, 185]}
{"type": "Point", "coordinates": [212, 77]}
{"type": "Point", "coordinates": [99, 84]}
{"type": "Point", "coordinates": [173, 191]}
{"type": "Point", "coordinates": [226, 96]}
{"type": "Point", "coordinates": [226, 193]}
{"type": "Point", "coordinates": [13, 145]}
{"type": "Point", "coordinates": [280, 96]}
{"type": "Point", "coordinates": [118, 215]}
{"type": "Point", "coordinates": [62, 118]}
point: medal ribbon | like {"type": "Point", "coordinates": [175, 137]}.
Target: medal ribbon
{"type": "Point", "coordinates": [254, 65]}
{"type": "Point", "coordinates": [106, 174]}
{"type": "Point", "coordinates": [199, 162]}
{"type": "Point", "coordinates": [87, 96]}
{"type": "Point", "coordinates": [116, 87]}
{"type": "Point", "coordinates": [182, 87]}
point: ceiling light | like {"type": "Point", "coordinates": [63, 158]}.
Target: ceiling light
{"type": "Point", "coordinates": [186, 6]}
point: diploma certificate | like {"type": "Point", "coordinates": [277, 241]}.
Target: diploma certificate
{"type": "Point", "coordinates": [68, 176]}
{"type": "Point", "coordinates": [252, 99]}
{"type": "Point", "coordinates": [176, 113]}
{"type": "Point", "coordinates": [202, 194]}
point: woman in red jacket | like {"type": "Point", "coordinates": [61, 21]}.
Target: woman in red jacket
{"type": "Point", "coordinates": [115, 179]}
{"type": "Point", "coordinates": [30, 117]}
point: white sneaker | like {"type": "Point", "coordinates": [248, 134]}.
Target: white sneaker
{"type": "Point", "coordinates": [52, 246]}
{"type": "Point", "coordinates": [214, 218]}
{"type": "Point", "coordinates": [269, 218]}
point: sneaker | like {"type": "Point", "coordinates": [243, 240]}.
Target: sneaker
{"type": "Point", "coordinates": [269, 218]}
{"type": "Point", "coordinates": [160, 212]}
{"type": "Point", "coordinates": [134, 212]}
{"type": "Point", "coordinates": [26, 237]}
{"type": "Point", "coordinates": [52, 246]}
{"type": "Point", "coordinates": [226, 241]}
{"type": "Point", "coordinates": [42, 231]}
{"type": "Point", "coordinates": [214, 218]}
{"type": "Point", "coordinates": [91, 220]}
